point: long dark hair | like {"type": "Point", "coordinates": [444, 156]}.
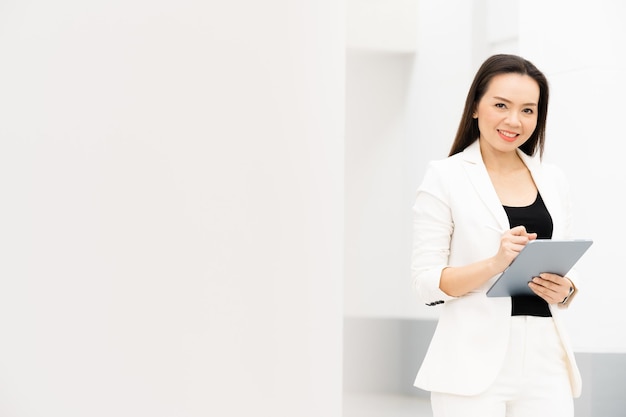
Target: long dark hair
{"type": "Point", "coordinates": [468, 132]}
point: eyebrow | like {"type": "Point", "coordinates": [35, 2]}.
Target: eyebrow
{"type": "Point", "coordinates": [509, 101]}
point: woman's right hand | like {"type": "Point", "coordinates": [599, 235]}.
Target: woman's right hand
{"type": "Point", "coordinates": [511, 244]}
{"type": "Point", "coordinates": [457, 281]}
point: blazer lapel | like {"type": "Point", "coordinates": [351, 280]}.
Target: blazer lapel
{"type": "Point", "coordinates": [479, 177]}
{"type": "Point", "coordinates": [549, 193]}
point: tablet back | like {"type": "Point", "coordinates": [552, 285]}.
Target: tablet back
{"type": "Point", "coordinates": [541, 255]}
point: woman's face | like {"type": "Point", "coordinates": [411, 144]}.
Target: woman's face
{"type": "Point", "coordinates": [507, 112]}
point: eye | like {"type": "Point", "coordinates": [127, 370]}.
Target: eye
{"type": "Point", "coordinates": [501, 105]}
{"type": "Point", "coordinates": [528, 111]}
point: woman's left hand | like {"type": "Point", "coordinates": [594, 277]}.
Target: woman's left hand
{"type": "Point", "coordinates": [551, 287]}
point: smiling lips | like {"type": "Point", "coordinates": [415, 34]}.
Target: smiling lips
{"type": "Point", "coordinates": [508, 136]}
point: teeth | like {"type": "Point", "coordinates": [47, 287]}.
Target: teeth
{"type": "Point", "coordinates": [508, 134]}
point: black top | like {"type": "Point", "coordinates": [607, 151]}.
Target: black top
{"type": "Point", "coordinates": [536, 219]}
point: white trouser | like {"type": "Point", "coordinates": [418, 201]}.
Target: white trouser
{"type": "Point", "coordinates": [533, 382]}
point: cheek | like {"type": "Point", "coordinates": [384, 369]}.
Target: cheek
{"type": "Point", "coordinates": [486, 121]}
{"type": "Point", "coordinates": [531, 125]}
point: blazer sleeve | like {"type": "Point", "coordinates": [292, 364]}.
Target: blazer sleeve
{"type": "Point", "coordinates": [432, 231]}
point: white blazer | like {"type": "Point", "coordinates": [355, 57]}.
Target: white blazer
{"type": "Point", "coordinates": [455, 204]}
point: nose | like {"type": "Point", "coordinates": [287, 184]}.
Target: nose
{"type": "Point", "coordinates": [513, 119]}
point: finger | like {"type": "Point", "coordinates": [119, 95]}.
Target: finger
{"type": "Point", "coordinates": [546, 283]}
{"type": "Point", "coordinates": [556, 279]}
{"type": "Point", "coordinates": [513, 247]}
{"type": "Point", "coordinates": [548, 295]}
{"type": "Point", "coordinates": [519, 241]}
{"type": "Point", "coordinates": [518, 231]}
{"type": "Point", "coordinates": [520, 234]}
{"type": "Point", "coordinates": [548, 290]}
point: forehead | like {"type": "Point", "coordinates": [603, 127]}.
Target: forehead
{"type": "Point", "coordinates": [513, 87]}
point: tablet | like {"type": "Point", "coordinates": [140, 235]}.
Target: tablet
{"type": "Point", "coordinates": [540, 255]}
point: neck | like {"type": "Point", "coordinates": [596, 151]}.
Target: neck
{"type": "Point", "coordinates": [501, 162]}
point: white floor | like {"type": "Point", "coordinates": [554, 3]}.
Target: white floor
{"type": "Point", "coordinates": [378, 405]}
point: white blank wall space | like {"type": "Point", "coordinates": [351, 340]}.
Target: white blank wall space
{"type": "Point", "coordinates": [171, 217]}
{"type": "Point", "coordinates": [377, 221]}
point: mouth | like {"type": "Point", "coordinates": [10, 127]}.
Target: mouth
{"type": "Point", "coordinates": [508, 136]}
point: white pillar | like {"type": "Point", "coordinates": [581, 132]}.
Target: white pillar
{"type": "Point", "coordinates": [171, 225]}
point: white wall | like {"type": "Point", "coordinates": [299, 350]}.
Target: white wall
{"type": "Point", "coordinates": [376, 264]}
{"type": "Point", "coordinates": [381, 41]}
{"type": "Point", "coordinates": [171, 226]}
{"type": "Point", "coordinates": [382, 25]}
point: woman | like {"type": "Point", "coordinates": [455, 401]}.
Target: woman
{"type": "Point", "coordinates": [502, 356]}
